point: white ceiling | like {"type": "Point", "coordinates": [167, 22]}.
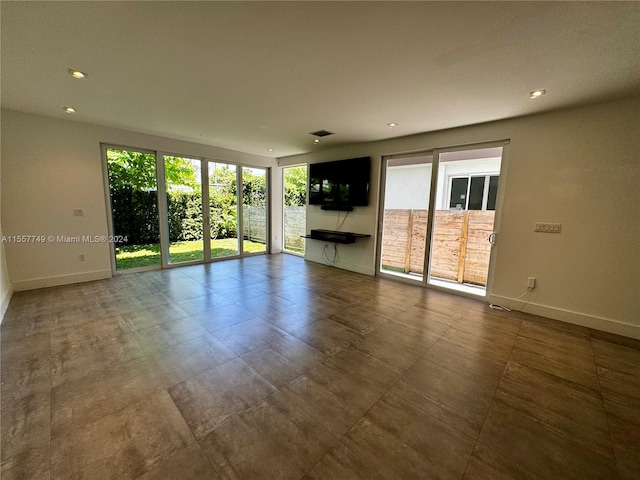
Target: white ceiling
{"type": "Point", "coordinates": [253, 76]}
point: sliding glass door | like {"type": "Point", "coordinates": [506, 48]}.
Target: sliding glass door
{"type": "Point", "coordinates": [223, 209]}
{"type": "Point", "coordinates": [406, 207]}
{"type": "Point", "coordinates": [463, 223]}
{"type": "Point", "coordinates": [294, 214]}
{"type": "Point", "coordinates": [438, 214]}
{"type": "Point", "coordinates": [254, 210]}
{"type": "Point", "coordinates": [183, 177]}
{"type": "Point", "coordinates": [193, 217]}
{"type": "Point", "coordinates": [133, 195]}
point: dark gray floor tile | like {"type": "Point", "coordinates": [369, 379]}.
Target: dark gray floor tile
{"type": "Point", "coordinates": [574, 409]}
{"type": "Point", "coordinates": [558, 358]}
{"type": "Point", "coordinates": [207, 400]}
{"type": "Point", "coordinates": [399, 440]}
{"type": "Point", "coordinates": [273, 439]}
{"type": "Point", "coordinates": [25, 424]}
{"type": "Point", "coordinates": [541, 449]}
{"type": "Point", "coordinates": [245, 336]}
{"type": "Point", "coordinates": [32, 464]}
{"type": "Point", "coordinates": [327, 336]}
{"type": "Point", "coordinates": [190, 463]}
{"type": "Point", "coordinates": [454, 399]}
{"type": "Point", "coordinates": [341, 463]}
{"type": "Point", "coordinates": [121, 445]}
{"type": "Point", "coordinates": [332, 398]}
{"type": "Point", "coordinates": [283, 359]}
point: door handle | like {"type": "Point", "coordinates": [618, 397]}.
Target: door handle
{"type": "Point", "coordinates": [492, 238]}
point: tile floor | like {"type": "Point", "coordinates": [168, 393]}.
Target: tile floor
{"type": "Point", "coordinates": [271, 367]}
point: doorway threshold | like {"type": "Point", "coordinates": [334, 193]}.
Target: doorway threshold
{"type": "Point", "coordinates": [475, 290]}
{"type": "Point", "coordinates": [459, 287]}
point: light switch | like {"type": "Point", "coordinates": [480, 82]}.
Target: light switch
{"type": "Point", "coordinates": [544, 227]}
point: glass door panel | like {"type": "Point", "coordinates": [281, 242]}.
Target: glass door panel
{"type": "Point", "coordinates": [184, 209]}
{"type": "Point", "coordinates": [295, 210]}
{"type": "Point", "coordinates": [458, 197]}
{"type": "Point", "coordinates": [133, 193]}
{"type": "Point", "coordinates": [465, 200]}
{"type": "Point", "coordinates": [404, 225]}
{"type": "Point", "coordinates": [476, 193]}
{"type": "Point", "coordinates": [223, 209]}
{"type": "Point", "coordinates": [254, 210]}
{"type": "Point", "coordinates": [492, 193]}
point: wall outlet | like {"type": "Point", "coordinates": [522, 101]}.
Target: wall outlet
{"type": "Point", "coordinates": [82, 257]}
{"type": "Point", "coordinates": [531, 283]}
{"type": "Point", "coordinates": [78, 212]}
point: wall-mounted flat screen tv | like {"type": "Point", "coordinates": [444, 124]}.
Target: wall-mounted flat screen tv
{"type": "Point", "coordinates": [341, 184]}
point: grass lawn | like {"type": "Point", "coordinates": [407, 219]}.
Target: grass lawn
{"type": "Point", "coordinates": [136, 256]}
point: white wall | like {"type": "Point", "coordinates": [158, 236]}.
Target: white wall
{"type": "Point", "coordinates": [6, 289]}
{"type": "Point", "coordinates": [51, 167]}
{"type": "Point", "coordinates": [579, 167]}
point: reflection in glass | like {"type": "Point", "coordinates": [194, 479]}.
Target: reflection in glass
{"type": "Point", "coordinates": [184, 209]}
{"type": "Point", "coordinates": [223, 209]}
{"type": "Point", "coordinates": [254, 210]}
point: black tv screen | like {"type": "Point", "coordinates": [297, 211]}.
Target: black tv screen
{"type": "Point", "coordinates": [340, 184]}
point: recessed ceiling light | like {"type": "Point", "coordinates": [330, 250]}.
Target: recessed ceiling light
{"type": "Point", "coordinates": [270, 150]}
{"type": "Point", "coordinates": [69, 110]}
{"type": "Point", "coordinates": [317, 140]}
{"type": "Point", "coordinates": [537, 93]}
{"type": "Point", "coordinates": [392, 124]}
{"type": "Point", "coordinates": [77, 73]}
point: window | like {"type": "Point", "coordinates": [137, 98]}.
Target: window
{"type": "Point", "coordinates": [473, 192]}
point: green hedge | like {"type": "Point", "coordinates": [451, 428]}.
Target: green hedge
{"type": "Point", "coordinates": [135, 216]}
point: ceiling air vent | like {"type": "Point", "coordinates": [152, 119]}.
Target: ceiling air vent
{"type": "Point", "coordinates": [322, 133]}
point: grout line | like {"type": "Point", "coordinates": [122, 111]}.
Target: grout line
{"type": "Point", "coordinates": [379, 399]}
{"type": "Point", "coordinates": [492, 402]}
{"type": "Point", "coordinates": [50, 405]}
{"type": "Point", "coordinates": [604, 406]}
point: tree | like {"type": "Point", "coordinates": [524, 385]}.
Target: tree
{"type": "Point", "coordinates": [254, 188]}
{"type": "Point", "coordinates": [223, 202]}
{"type": "Point", "coordinates": [295, 186]}
{"type": "Point", "coordinates": [137, 170]}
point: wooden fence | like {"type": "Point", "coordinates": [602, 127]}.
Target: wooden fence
{"type": "Point", "coordinates": [460, 245]}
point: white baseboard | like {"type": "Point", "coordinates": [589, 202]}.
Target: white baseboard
{"type": "Point", "coordinates": [4, 303]}
{"type": "Point", "coordinates": [344, 266]}
{"type": "Point", "coordinates": [576, 318]}
{"type": "Point", "coordinates": [58, 280]}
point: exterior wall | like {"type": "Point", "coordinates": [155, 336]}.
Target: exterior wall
{"type": "Point", "coordinates": [408, 187]}
{"type": "Point", "coordinates": [462, 167]}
